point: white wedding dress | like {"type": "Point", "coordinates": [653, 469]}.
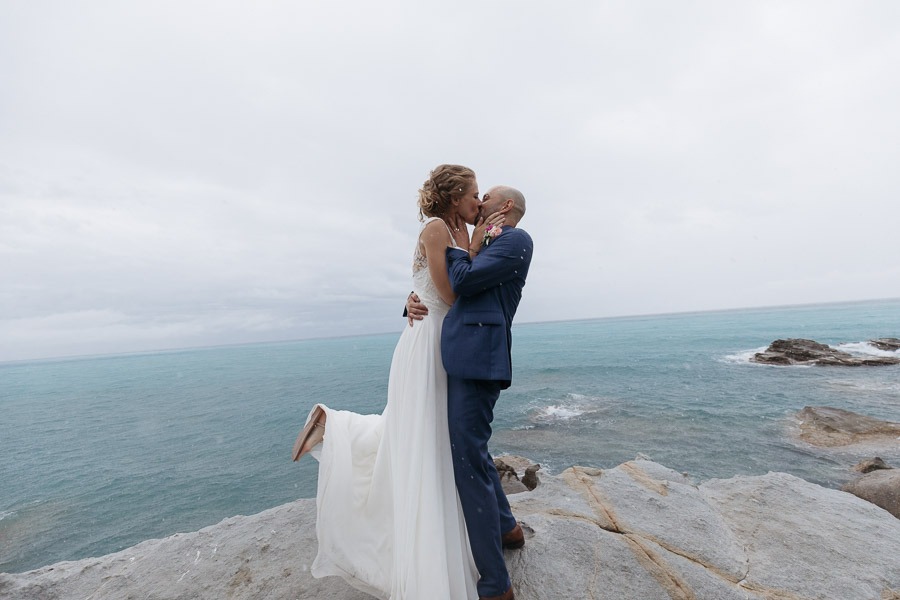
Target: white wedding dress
{"type": "Point", "coordinates": [388, 516]}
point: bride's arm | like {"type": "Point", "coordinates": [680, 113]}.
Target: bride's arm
{"type": "Point", "coordinates": [508, 258]}
{"type": "Point", "coordinates": [435, 238]}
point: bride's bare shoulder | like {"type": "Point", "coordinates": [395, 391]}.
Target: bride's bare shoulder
{"type": "Point", "coordinates": [434, 235]}
{"type": "Point", "coordinates": [435, 229]}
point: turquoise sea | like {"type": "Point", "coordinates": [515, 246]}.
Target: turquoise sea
{"type": "Point", "coordinates": [100, 453]}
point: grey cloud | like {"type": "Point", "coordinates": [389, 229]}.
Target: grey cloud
{"type": "Point", "coordinates": [202, 173]}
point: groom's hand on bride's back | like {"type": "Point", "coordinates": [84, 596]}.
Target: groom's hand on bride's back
{"type": "Point", "coordinates": [415, 310]}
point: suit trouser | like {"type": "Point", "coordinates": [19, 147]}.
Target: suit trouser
{"type": "Point", "coordinates": [470, 411]}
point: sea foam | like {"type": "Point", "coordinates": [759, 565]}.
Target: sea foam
{"type": "Point", "coordinates": [742, 356]}
{"type": "Point", "coordinates": [866, 349]}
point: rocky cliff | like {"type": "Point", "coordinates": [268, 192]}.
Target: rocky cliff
{"type": "Point", "coordinates": [639, 531]}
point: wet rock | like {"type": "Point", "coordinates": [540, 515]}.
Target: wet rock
{"type": "Point", "coordinates": [830, 427]}
{"type": "Point", "coordinates": [797, 351]}
{"type": "Point", "coordinates": [891, 344]}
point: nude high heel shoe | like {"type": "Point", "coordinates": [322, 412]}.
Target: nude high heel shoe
{"type": "Point", "coordinates": [313, 433]}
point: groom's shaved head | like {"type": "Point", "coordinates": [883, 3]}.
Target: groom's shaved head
{"type": "Point", "coordinates": [498, 195]}
{"type": "Point", "coordinates": [511, 193]}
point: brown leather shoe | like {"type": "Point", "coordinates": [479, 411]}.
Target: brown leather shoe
{"type": "Point", "coordinates": [507, 595]}
{"type": "Point", "coordinates": [514, 539]}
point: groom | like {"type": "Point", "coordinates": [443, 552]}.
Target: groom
{"type": "Point", "coordinates": [475, 346]}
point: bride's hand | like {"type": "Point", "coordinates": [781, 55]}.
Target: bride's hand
{"type": "Point", "coordinates": [495, 220]}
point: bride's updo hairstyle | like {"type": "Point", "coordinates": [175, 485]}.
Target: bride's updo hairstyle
{"type": "Point", "coordinates": [444, 184]}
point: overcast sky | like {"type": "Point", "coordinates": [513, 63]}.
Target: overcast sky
{"type": "Point", "coordinates": [196, 173]}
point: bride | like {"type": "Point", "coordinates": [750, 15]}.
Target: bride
{"type": "Point", "coordinates": [388, 516]}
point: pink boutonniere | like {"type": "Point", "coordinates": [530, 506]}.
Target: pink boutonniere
{"type": "Point", "coordinates": [490, 233]}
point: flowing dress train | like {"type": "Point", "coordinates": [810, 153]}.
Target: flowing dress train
{"type": "Point", "coordinates": [388, 516]}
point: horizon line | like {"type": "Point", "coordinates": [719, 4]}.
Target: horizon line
{"type": "Point", "coordinates": [373, 334]}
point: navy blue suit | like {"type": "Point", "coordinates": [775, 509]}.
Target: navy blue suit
{"type": "Point", "coordinates": [476, 345]}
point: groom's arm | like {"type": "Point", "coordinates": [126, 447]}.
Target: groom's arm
{"type": "Point", "coordinates": [508, 258]}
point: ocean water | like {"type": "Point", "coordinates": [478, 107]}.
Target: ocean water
{"type": "Point", "coordinates": [100, 453]}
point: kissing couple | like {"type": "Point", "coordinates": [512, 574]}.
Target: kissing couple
{"type": "Point", "coordinates": [390, 520]}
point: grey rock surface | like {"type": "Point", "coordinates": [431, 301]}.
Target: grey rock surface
{"type": "Point", "coordinates": [266, 555]}
{"type": "Point", "coordinates": [639, 531]}
{"type": "Point", "coordinates": [880, 487]}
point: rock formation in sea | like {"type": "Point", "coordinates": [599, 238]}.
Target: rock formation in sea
{"type": "Point", "coordinates": [795, 351]}
{"type": "Point", "coordinates": [891, 344]}
{"type": "Point", "coordinates": [639, 531]}
{"type": "Point", "coordinates": [829, 427]}
{"type": "Point", "coordinates": [836, 428]}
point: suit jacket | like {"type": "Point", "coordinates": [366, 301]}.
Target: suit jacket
{"type": "Point", "coordinates": [476, 341]}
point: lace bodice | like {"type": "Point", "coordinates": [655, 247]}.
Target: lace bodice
{"type": "Point", "coordinates": [423, 284]}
